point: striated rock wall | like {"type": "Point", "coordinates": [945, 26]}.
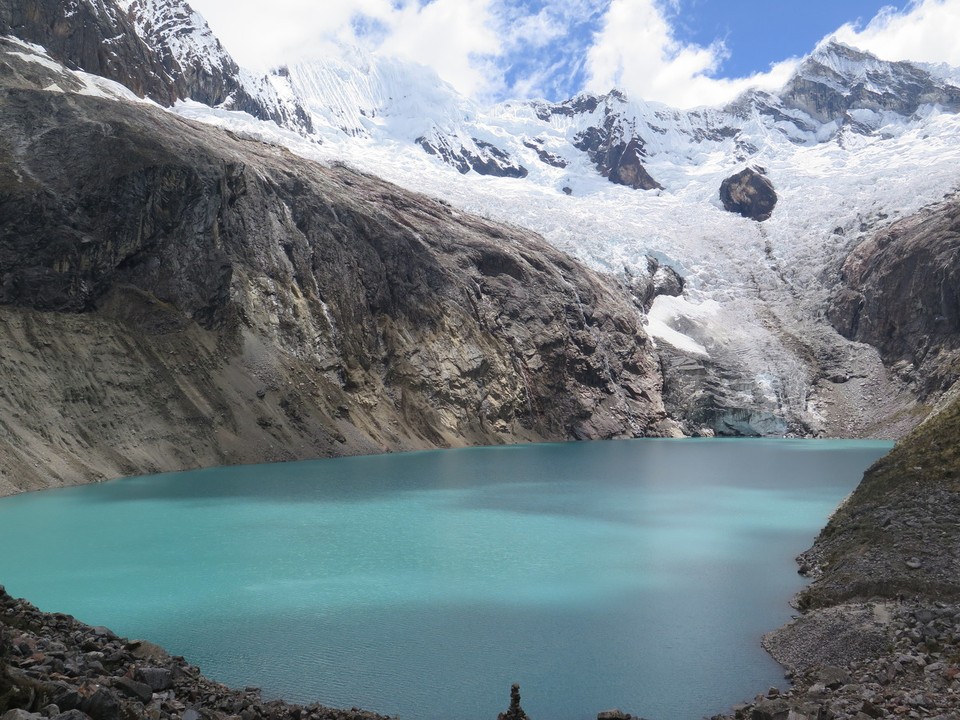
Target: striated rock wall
{"type": "Point", "coordinates": [175, 296]}
{"type": "Point", "coordinates": [900, 292]}
{"type": "Point", "coordinates": [95, 36]}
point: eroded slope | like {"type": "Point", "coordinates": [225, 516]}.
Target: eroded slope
{"type": "Point", "coordinates": [174, 295]}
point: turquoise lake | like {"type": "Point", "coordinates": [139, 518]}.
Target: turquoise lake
{"type": "Point", "coordinates": [633, 574]}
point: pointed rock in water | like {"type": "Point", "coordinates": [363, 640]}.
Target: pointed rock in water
{"type": "Point", "coordinates": [515, 712]}
{"type": "Point", "coordinates": [749, 193]}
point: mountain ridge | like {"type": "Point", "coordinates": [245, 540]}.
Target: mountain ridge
{"type": "Point", "coordinates": [174, 295]}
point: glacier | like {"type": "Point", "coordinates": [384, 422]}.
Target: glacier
{"type": "Point", "coordinates": [850, 144]}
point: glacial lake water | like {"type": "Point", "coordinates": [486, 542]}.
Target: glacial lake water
{"type": "Point", "coordinates": [632, 574]}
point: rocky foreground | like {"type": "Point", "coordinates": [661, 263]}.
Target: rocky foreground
{"type": "Point", "coordinates": [52, 666]}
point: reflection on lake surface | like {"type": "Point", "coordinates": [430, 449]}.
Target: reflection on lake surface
{"type": "Point", "coordinates": [632, 574]}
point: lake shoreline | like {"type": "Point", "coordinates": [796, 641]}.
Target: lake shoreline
{"type": "Point", "coordinates": [846, 660]}
{"type": "Point", "coordinates": [560, 522]}
{"type": "Point", "coordinates": [53, 666]}
{"type": "Point", "coordinates": [880, 631]}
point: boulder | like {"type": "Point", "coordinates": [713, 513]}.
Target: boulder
{"type": "Point", "coordinates": [134, 689]}
{"type": "Point", "coordinates": [156, 678]}
{"type": "Point", "coordinates": [749, 193]}
{"type": "Point", "coordinates": [18, 714]}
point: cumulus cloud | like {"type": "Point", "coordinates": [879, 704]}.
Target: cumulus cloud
{"type": "Point", "coordinates": [926, 31]}
{"type": "Point", "coordinates": [495, 49]}
{"type": "Point", "coordinates": [454, 37]}
{"type": "Point", "coordinates": [637, 51]}
{"type": "Point", "coordinates": [457, 38]}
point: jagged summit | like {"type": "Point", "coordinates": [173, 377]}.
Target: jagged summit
{"type": "Point", "coordinates": [844, 85]}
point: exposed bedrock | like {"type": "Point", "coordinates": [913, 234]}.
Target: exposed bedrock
{"type": "Point", "coordinates": [900, 292]}
{"type": "Point", "coordinates": [175, 296]}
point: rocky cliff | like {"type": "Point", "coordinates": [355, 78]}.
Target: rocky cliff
{"type": "Point", "coordinates": [159, 49]}
{"type": "Point", "coordinates": [900, 292]}
{"type": "Point", "coordinates": [174, 296]}
{"type": "Point", "coordinates": [880, 633]}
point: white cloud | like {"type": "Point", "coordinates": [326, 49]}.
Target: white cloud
{"type": "Point", "coordinates": [454, 37]}
{"type": "Point", "coordinates": [636, 50]}
{"type": "Point", "coordinates": [926, 31]}
{"type": "Point", "coordinates": [472, 44]}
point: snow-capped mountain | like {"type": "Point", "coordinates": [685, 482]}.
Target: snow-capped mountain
{"type": "Point", "coordinates": [849, 144]}
{"type": "Point", "coordinates": [191, 52]}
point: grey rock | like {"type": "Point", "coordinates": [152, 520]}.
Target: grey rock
{"type": "Point", "coordinates": [139, 690]}
{"type": "Point", "coordinates": [775, 709]}
{"type": "Point", "coordinates": [101, 705]}
{"type": "Point", "coordinates": [487, 159]}
{"type": "Point", "coordinates": [243, 256]}
{"type": "Point", "coordinates": [18, 714]}
{"type": "Point", "coordinates": [820, 89]}
{"type": "Point", "coordinates": [157, 679]}
{"type": "Point", "coordinates": [72, 715]}
{"type": "Point", "coordinates": [899, 293]}
{"type": "Point", "coordinates": [750, 194]}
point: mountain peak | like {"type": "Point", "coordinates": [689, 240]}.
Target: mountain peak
{"type": "Point", "coordinates": [837, 79]}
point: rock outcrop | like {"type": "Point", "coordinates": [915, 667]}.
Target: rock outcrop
{"type": "Point", "coordinates": [880, 633]}
{"type": "Point", "coordinates": [900, 292]}
{"type": "Point", "coordinates": [95, 36]}
{"type": "Point", "coordinates": [837, 79]}
{"type": "Point", "coordinates": [159, 49]}
{"type": "Point", "coordinates": [612, 146]}
{"type": "Point", "coordinates": [175, 296]}
{"type": "Point", "coordinates": [880, 630]}
{"type": "Point", "coordinates": [482, 157]}
{"type": "Point", "coordinates": [749, 193]}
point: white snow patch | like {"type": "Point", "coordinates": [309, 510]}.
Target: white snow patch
{"type": "Point", "coordinates": [668, 311]}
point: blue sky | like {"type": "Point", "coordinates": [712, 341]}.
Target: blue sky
{"type": "Point", "coordinates": [758, 33]}
{"type": "Point", "coordinates": [681, 52]}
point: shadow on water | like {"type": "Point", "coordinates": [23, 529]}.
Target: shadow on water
{"type": "Point", "coordinates": [529, 469]}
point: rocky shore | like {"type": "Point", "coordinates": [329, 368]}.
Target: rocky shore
{"type": "Point", "coordinates": [52, 666]}
{"type": "Point", "coordinates": [863, 661]}
{"type": "Point", "coordinates": [879, 635]}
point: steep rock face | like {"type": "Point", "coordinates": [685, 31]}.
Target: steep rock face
{"type": "Point", "coordinates": [95, 36]}
{"type": "Point", "coordinates": [159, 49]}
{"type": "Point", "coordinates": [897, 534]}
{"type": "Point", "coordinates": [175, 296]}
{"type": "Point", "coordinates": [659, 280]}
{"type": "Point", "coordinates": [614, 149]}
{"type": "Point", "coordinates": [750, 194]}
{"type": "Point", "coordinates": [838, 79]}
{"type": "Point", "coordinates": [204, 70]}
{"type": "Point", "coordinates": [901, 293]}
{"type": "Point", "coordinates": [482, 157]}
